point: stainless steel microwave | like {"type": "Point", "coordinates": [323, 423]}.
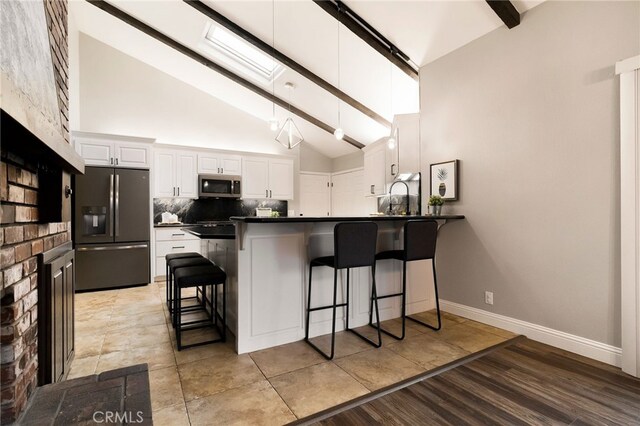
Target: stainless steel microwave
{"type": "Point", "coordinates": [219, 186]}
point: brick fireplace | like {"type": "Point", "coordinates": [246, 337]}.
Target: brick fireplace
{"type": "Point", "coordinates": [23, 238]}
{"type": "Point", "coordinates": [36, 161]}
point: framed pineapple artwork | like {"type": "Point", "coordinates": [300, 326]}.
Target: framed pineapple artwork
{"type": "Point", "coordinates": [444, 180]}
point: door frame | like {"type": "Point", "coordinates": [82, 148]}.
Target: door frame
{"type": "Point", "coordinates": [629, 71]}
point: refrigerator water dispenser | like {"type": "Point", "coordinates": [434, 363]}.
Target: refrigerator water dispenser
{"type": "Point", "coordinates": [94, 221]}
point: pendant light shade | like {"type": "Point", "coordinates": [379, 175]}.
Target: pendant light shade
{"type": "Point", "coordinates": [338, 133]}
{"type": "Point", "coordinates": [289, 135]}
{"type": "Point", "coordinates": [274, 124]}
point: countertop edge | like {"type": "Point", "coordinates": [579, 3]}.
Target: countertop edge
{"type": "Point", "coordinates": [308, 219]}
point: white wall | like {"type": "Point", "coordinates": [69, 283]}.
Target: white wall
{"type": "Point", "coordinates": [121, 95]}
{"type": "Point", "coordinates": [532, 113]}
{"type": "Point", "coordinates": [348, 162]}
{"type": "Point", "coordinates": [313, 161]}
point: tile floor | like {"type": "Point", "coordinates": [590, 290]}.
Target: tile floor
{"type": "Point", "coordinates": [274, 386]}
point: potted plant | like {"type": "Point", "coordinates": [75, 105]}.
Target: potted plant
{"type": "Point", "coordinates": [436, 202]}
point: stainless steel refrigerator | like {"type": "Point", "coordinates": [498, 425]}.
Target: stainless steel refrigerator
{"type": "Point", "coordinates": [111, 228]}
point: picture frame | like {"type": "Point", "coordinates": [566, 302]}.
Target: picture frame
{"type": "Point", "coordinates": [444, 180]}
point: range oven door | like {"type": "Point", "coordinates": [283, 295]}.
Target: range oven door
{"type": "Point", "coordinates": [215, 186]}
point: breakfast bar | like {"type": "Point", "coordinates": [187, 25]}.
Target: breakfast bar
{"type": "Point", "coordinates": [268, 294]}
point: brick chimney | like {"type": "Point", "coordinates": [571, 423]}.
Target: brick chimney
{"type": "Point", "coordinates": [35, 141]}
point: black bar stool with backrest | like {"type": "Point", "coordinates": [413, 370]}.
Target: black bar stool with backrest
{"type": "Point", "coordinates": [200, 276]}
{"type": "Point", "coordinates": [419, 244]}
{"type": "Point", "coordinates": [168, 278]}
{"type": "Point", "coordinates": [354, 247]}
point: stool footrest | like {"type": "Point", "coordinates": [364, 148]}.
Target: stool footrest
{"type": "Point", "coordinates": [389, 295]}
{"type": "Point", "coordinates": [319, 308]}
{"type": "Point", "coordinates": [387, 332]}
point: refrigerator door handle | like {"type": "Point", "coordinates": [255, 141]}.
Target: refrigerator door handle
{"type": "Point", "coordinates": [134, 246]}
{"type": "Point", "coordinates": [117, 206]}
{"type": "Point", "coordinates": [111, 203]}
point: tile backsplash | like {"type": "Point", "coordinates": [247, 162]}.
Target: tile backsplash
{"type": "Point", "coordinates": [192, 211]}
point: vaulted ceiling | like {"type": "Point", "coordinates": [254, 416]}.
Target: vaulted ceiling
{"type": "Point", "coordinates": [303, 31]}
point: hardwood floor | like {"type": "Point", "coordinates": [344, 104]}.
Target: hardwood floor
{"type": "Point", "coordinates": [519, 384]}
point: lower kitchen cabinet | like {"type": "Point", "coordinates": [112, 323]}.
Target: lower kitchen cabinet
{"type": "Point", "coordinates": [172, 240]}
{"type": "Point", "coordinates": [56, 345]}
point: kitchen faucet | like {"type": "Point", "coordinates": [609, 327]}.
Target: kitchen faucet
{"type": "Point", "coordinates": [391, 199]}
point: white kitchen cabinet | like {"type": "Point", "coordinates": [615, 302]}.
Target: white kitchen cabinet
{"type": "Point", "coordinates": [374, 170]}
{"type": "Point", "coordinates": [111, 150]}
{"type": "Point", "coordinates": [172, 240]}
{"type": "Point", "coordinates": [213, 163]}
{"type": "Point", "coordinates": [408, 142]}
{"type": "Point", "coordinates": [270, 178]}
{"type": "Point", "coordinates": [175, 174]}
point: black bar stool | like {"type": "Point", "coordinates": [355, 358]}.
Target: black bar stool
{"type": "Point", "coordinates": [206, 276]}
{"type": "Point", "coordinates": [354, 247]}
{"type": "Point", "coordinates": [419, 244]}
{"type": "Point", "coordinates": [168, 258]}
{"type": "Point", "coordinates": [175, 264]}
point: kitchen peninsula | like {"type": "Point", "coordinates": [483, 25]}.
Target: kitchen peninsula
{"type": "Point", "coordinates": [268, 294]}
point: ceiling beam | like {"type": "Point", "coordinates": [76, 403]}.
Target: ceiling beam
{"type": "Point", "coordinates": [505, 11]}
{"type": "Point", "coordinates": [152, 32]}
{"type": "Point", "coordinates": [368, 34]}
{"type": "Point", "coordinates": [285, 60]}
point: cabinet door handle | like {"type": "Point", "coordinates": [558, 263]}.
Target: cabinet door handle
{"type": "Point", "coordinates": [178, 191]}
{"type": "Point", "coordinates": [222, 170]}
{"type": "Point", "coordinates": [111, 159]}
{"type": "Point", "coordinates": [174, 191]}
{"type": "Point", "coordinates": [177, 235]}
{"type": "Point", "coordinates": [177, 247]}
{"type": "Point", "coordinates": [266, 193]}
{"type": "Point", "coordinates": [116, 161]}
{"type": "Point", "coordinates": [393, 173]}
{"type": "Point", "coordinates": [372, 189]}
{"type": "Point", "coordinates": [270, 194]}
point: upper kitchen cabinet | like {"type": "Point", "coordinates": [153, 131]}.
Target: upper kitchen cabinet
{"type": "Point", "coordinates": [385, 162]}
{"type": "Point", "coordinates": [213, 163]}
{"type": "Point", "coordinates": [375, 157]}
{"type": "Point", "coordinates": [175, 174]}
{"type": "Point", "coordinates": [270, 178]}
{"type": "Point", "coordinates": [407, 143]}
{"type": "Point", "coordinates": [111, 150]}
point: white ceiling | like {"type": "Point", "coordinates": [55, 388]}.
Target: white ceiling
{"type": "Point", "coordinates": [425, 30]}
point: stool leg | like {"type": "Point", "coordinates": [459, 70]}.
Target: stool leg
{"type": "Point", "coordinates": [346, 312]}
{"type": "Point", "coordinates": [374, 299]}
{"type": "Point", "coordinates": [177, 314]}
{"type": "Point", "coordinates": [403, 294]}
{"type": "Point", "coordinates": [306, 326]}
{"type": "Point", "coordinates": [435, 287]}
{"type": "Point", "coordinates": [224, 311]}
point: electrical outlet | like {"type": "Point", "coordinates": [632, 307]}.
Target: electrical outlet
{"type": "Point", "coordinates": [488, 297]}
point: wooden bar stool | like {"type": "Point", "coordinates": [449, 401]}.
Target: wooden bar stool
{"type": "Point", "coordinates": [203, 276]}
{"type": "Point", "coordinates": [419, 244]}
{"type": "Point", "coordinates": [354, 247]}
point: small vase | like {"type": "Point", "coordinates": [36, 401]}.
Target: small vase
{"type": "Point", "coordinates": [435, 210]}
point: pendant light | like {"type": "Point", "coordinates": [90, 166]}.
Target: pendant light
{"type": "Point", "coordinates": [273, 121]}
{"type": "Point", "coordinates": [339, 133]}
{"type": "Point", "coordinates": [289, 135]}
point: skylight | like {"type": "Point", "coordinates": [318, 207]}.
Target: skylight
{"type": "Point", "coordinates": [241, 55]}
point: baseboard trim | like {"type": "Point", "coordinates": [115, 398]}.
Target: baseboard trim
{"type": "Point", "coordinates": [582, 346]}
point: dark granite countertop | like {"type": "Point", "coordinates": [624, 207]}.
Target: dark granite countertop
{"type": "Point", "coordinates": [223, 232]}
{"type": "Point", "coordinates": [310, 219]}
